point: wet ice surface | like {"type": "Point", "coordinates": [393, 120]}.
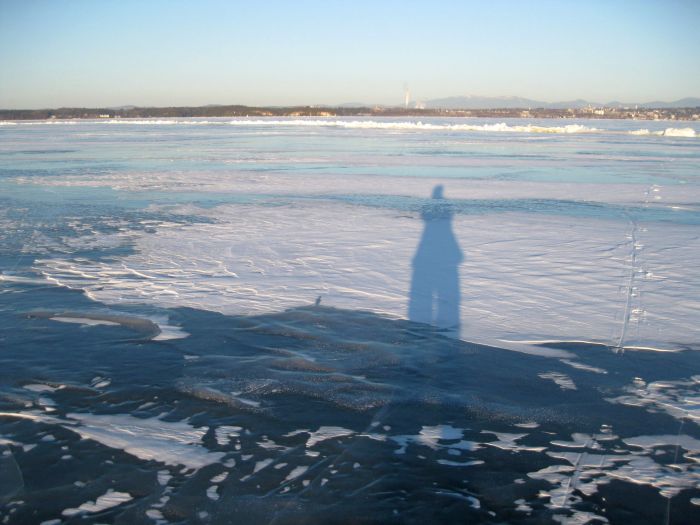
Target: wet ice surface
{"type": "Point", "coordinates": [310, 414]}
{"type": "Point", "coordinates": [163, 358]}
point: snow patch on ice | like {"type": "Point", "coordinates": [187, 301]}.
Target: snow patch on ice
{"type": "Point", "coordinates": [152, 439]}
{"type": "Point", "coordinates": [84, 321]}
{"type": "Point", "coordinates": [224, 433]}
{"type": "Point", "coordinates": [296, 472]}
{"type": "Point", "coordinates": [326, 433]}
{"type": "Point", "coordinates": [562, 380]}
{"type": "Point", "coordinates": [109, 499]}
{"type": "Point", "coordinates": [680, 399]}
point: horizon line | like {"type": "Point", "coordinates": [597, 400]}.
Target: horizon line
{"type": "Point", "coordinates": [361, 105]}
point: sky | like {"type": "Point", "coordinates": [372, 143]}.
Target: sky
{"type": "Point", "coordinates": [101, 53]}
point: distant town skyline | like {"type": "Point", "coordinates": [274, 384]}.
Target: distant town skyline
{"type": "Point", "coordinates": [80, 53]}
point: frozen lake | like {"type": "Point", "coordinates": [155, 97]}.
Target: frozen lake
{"type": "Point", "coordinates": [473, 318]}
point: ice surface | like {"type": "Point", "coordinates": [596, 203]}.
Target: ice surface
{"type": "Point", "coordinates": [509, 441]}
{"type": "Point", "coordinates": [213, 492]}
{"type": "Point", "coordinates": [163, 477]}
{"type": "Point", "coordinates": [244, 181]}
{"type": "Point", "coordinates": [576, 235]}
{"type": "Point", "coordinates": [574, 240]}
{"type": "Point", "coordinates": [680, 440]}
{"type": "Point", "coordinates": [460, 463]}
{"type": "Point", "coordinates": [84, 321]}
{"type": "Point", "coordinates": [525, 278]}
{"type": "Point", "coordinates": [224, 433]}
{"type": "Point", "coordinates": [296, 472]}
{"type": "Point", "coordinates": [259, 465]}
{"type": "Point", "coordinates": [445, 437]}
{"type": "Point", "coordinates": [172, 443]}
{"type": "Point", "coordinates": [582, 366]}
{"type": "Point", "coordinates": [431, 435]}
{"type": "Point", "coordinates": [562, 380]}
{"type": "Point", "coordinates": [325, 433]}
{"type": "Point", "coordinates": [680, 399]}
{"type": "Point", "coordinates": [39, 387]}
{"type": "Point", "coordinates": [109, 499]}
{"type": "Point", "coordinates": [592, 465]}
{"type": "Point", "coordinates": [221, 477]}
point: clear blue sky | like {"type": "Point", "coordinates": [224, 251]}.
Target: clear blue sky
{"type": "Point", "coordinates": [197, 52]}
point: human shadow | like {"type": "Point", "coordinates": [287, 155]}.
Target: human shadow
{"type": "Point", "coordinates": [435, 295]}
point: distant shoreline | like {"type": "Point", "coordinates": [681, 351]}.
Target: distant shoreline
{"type": "Point", "coordinates": [681, 114]}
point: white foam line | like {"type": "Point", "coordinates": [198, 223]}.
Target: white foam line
{"type": "Point", "coordinates": [84, 321]}
{"type": "Point", "coordinates": [583, 366]}
{"type": "Point", "coordinates": [32, 416]}
{"type": "Point", "coordinates": [552, 341]}
{"type": "Point", "coordinates": [686, 132]}
{"type": "Point", "coordinates": [587, 342]}
{"type": "Point", "coordinates": [650, 348]}
{"type": "Point", "coordinates": [526, 347]}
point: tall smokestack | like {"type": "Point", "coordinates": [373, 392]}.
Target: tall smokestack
{"type": "Point", "coordinates": [406, 96]}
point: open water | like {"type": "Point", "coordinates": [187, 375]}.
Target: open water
{"type": "Point", "coordinates": [349, 321]}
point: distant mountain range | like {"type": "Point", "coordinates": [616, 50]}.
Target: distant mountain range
{"type": "Point", "coordinates": [477, 102]}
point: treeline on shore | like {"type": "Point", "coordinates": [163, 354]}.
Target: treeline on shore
{"type": "Point", "coordinates": [320, 111]}
{"type": "Point", "coordinates": [178, 112]}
